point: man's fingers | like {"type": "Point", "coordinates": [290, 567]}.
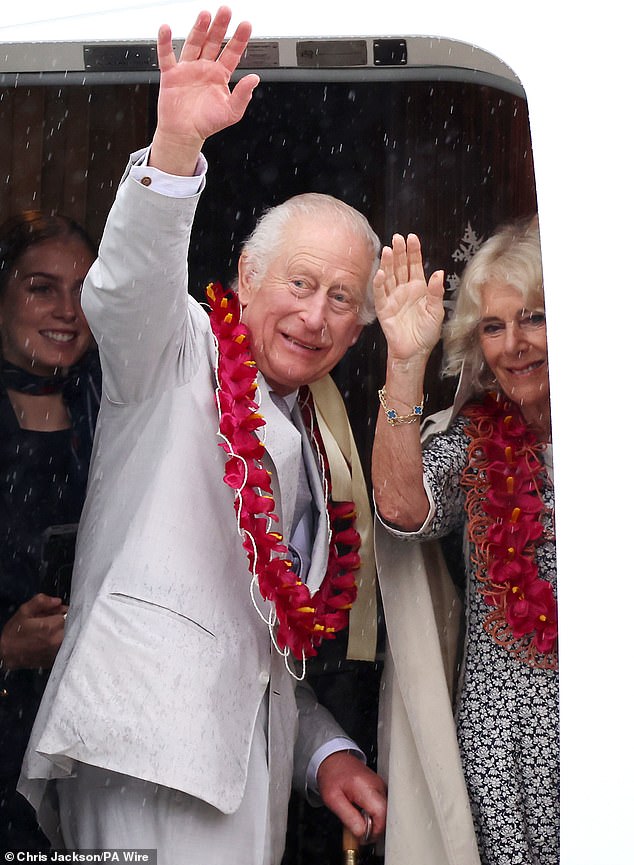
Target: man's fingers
{"type": "Point", "coordinates": [375, 807]}
{"type": "Point", "coordinates": [242, 93]}
{"type": "Point", "coordinates": [367, 824]}
{"type": "Point", "coordinates": [235, 47]}
{"type": "Point", "coordinates": [205, 42]}
{"type": "Point", "coordinates": [349, 815]}
{"type": "Point", "coordinates": [216, 34]}
{"type": "Point", "coordinates": [164, 48]}
{"type": "Point", "coordinates": [197, 37]}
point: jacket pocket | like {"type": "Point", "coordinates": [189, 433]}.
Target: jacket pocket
{"type": "Point", "coordinates": [161, 610]}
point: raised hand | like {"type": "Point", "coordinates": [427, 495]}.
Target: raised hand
{"type": "Point", "coordinates": [195, 100]}
{"type": "Point", "coordinates": [409, 309]}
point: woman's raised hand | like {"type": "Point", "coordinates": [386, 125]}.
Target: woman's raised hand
{"type": "Point", "coordinates": [410, 309]}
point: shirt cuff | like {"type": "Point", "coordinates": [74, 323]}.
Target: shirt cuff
{"type": "Point", "coordinates": [341, 743]}
{"type": "Point", "coordinates": [169, 184]}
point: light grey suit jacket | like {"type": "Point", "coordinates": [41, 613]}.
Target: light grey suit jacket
{"type": "Point", "coordinates": [165, 660]}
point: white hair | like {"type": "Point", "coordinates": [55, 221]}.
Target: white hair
{"type": "Point", "coordinates": [512, 256]}
{"type": "Point", "coordinates": [267, 238]}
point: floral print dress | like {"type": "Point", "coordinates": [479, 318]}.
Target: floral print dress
{"type": "Point", "coordinates": [507, 709]}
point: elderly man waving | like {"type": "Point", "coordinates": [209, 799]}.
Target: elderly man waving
{"type": "Point", "coordinates": [206, 574]}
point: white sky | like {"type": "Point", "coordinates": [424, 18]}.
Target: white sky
{"type": "Point", "coordinates": [105, 19]}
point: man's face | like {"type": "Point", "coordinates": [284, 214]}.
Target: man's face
{"type": "Point", "coordinates": [303, 313]}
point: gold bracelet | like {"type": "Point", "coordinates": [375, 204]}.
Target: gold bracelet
{"type": "Point", "coordinates": [393, 418]}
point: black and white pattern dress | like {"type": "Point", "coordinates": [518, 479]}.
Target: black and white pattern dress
{"type": "Point", "coordinates": [507, 712]}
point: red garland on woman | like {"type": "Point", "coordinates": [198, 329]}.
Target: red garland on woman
{"type": "Point", "coordinates": [504, 479]}
{"type": "Point", "coordinates": [303, 621]}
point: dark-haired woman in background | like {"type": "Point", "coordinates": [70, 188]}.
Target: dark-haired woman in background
{"type": "Point", "coordinates": [50, 386]}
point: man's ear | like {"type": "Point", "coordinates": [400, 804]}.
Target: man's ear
{"type": "Point", "coordinates": [246, 280]}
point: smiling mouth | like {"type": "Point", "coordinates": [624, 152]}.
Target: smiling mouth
{"type": "Point", "coordinates": [303, 345]}
{"type": "Point", "coordinates": [527, 370]}
{"type": "Point", "coordinates": [58, 336]}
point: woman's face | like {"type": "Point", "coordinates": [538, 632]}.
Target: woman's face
{"type": "Point", "coordinates": [42, 326]}
{"type": "Point", "coordinates": [513, 342]}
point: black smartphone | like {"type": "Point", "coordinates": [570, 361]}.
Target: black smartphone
{"type": "Point", "coordinates": [58, 556]}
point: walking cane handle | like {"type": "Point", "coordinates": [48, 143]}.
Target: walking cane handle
{"type": "Point", "coordinates": [350, 847]}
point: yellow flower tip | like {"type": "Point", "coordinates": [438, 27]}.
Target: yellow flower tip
{"type": "Point", "coordinates": [240, 338]}
{"type": "Point", "coordinates": [258, 416]}
{"type": "Point", "coordinates": [249, 363]}
{"type": "Point", "coordinates": [542, 618]}
{"type": "Point", "coordinates": [228, 319]}
{"type": "Point", "coordinates": [511, 552]}
{"type": "Point", "coordinates": [317, 629]}
{"type": "Point", "coordinates": [224, 303]}
{"type": "Point", "coordinates": [347, 607]}
{"type": "Point", "coordinates": [516, 514]}
{"type": "Point", "coordinates": [508, 419]}
{"type": "Point", "coordinates": [515, 589]}
{"type": "Point", "coordinates": [276, 535]}
{"type": "Point", "coordinates": [510, 485]}
{"type": "Point", "coordinates": [211, 294]}
{"type": "Point", "coordinates": [305, 609]}
{"type": "Point", "coordinates": [508, 453]}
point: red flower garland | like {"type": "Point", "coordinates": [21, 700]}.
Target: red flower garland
{"type": "Point", "coordinates": [504, 479]}
{"type": "Point", "coordinates": [303, 621]}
